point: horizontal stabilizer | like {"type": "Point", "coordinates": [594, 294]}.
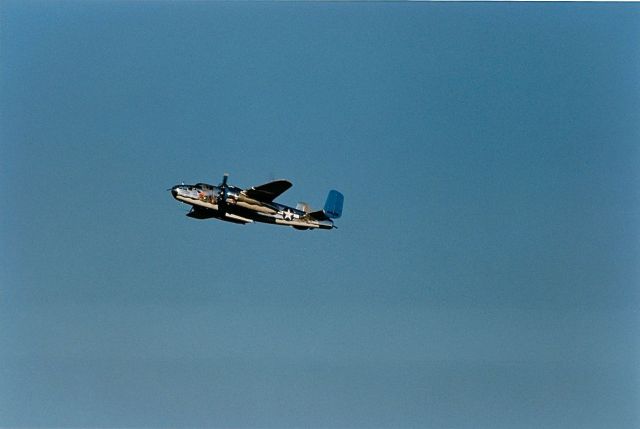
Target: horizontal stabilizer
{"type": "Point", "coordinates": [319, 215]}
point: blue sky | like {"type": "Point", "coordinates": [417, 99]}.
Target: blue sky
{"type": "Point", "coordinates": [484, 274]}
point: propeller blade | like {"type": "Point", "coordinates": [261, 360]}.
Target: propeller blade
{"type": "Point", "coordinates": [222, 196]}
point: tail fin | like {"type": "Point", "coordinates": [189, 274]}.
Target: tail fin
{"type": "Point", "coordinates": [333, 205]}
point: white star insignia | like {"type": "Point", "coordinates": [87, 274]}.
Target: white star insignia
{"type": "Point", "coordinates": [288, 215]}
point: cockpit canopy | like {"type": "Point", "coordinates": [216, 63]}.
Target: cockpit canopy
{"type": "Point", "coordinates": [203, 186]}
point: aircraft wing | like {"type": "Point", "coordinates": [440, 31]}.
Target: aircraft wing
{"type": "Point", "coordinates": [269, 191]}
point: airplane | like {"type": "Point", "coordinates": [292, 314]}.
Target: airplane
{"type": "Point", "coordinates": [232, 204]}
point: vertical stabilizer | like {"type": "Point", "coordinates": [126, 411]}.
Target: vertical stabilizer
{"type": "Point", "coordinates": [333, 205]}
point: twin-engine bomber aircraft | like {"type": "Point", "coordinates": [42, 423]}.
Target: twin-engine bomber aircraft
{"type": "Point", "coordinates": [233, 204]}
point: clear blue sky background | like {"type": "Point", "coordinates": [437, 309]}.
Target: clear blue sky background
{"type": "Point", "coordinates": [485, 272]}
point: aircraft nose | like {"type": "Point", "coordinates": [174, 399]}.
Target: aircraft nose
{"type": "Point", "coordinates": [174, 191]}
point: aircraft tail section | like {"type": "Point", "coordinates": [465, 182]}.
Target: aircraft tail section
{"type": "Point", "coordinates": [333, 205]}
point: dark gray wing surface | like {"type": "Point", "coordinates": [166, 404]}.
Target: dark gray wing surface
{"type": "Point", "coordinates": [269, 191]}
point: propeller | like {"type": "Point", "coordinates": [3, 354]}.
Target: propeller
{"type": "Point", "coordinates": [224, 190]}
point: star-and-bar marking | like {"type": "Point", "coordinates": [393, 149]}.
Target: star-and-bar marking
{"type": "Point", "coordinates": [288, 215]}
